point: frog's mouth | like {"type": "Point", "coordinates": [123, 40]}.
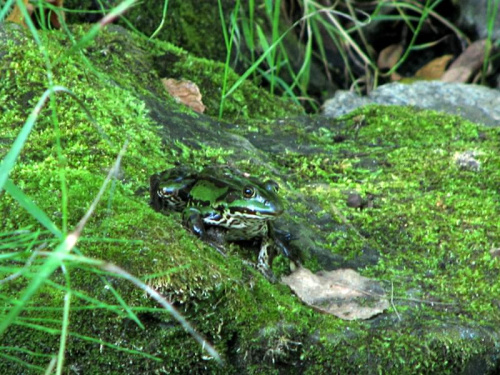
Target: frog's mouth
{"type": "Point", "coordinates": [259, 214]}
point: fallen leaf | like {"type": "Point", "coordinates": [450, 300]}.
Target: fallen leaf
{"type": "Point", "coordinates": [434, 69]}
{"type": "Point", "coordinates": [343, 293]}
{"type": "Point", "coordinates": [185, 92]}
{"type": "Point", "coordinates": [17, 17]}
{"type": "Point", "coordinates": [463, 68]}
{"type": "Point", "coordinates": [495, 253]}
{"type": "Point", "coordinates": [389, 56]}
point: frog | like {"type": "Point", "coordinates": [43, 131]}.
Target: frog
{"type": "Point", "coordinates": [241, 207]}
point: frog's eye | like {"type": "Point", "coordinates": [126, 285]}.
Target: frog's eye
{"type": "Point", "coordinates": [248, 192]}
{"type": "Point", "coordinates": [165, 192]}
{"type": "Point", "coordinates": [272, 186]}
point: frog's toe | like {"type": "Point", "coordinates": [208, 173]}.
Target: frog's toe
{"type": "Point", "coordinates": [267, 272]}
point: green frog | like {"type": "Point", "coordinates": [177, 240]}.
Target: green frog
{"type": "Point", "coordinates": [221, 197]}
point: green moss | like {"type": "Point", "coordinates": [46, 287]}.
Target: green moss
{"type": "Point", "coordinates": [431, 222]}
{"type": "Point", "coordinates": [247, 102]}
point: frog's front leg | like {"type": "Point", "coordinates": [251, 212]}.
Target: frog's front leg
{"type": "Point", "coordinates": [193, 220]}
{"type": "Point", "coordinates": [265, 258]}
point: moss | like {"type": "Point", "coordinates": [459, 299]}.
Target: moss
{"type": "Point", "coordinates": [189, 25]}
{"type": "Point", "coordinates": [431, 224]}
{"type": "Point", "coordinates": [247, 102]}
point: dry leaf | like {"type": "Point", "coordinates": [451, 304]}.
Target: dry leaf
{"type": "Point", "coordinates": [389, 56]}
{"type": "Point", "coordinates": [462, 69]}
{"type": "Point", "coordinates": [395, 76]}
{"type": "Point", "coordinates": [343, 293]}
{"type": "Point", "coordinates": [434, 69]}
{"type": "Point", "coordinates": [17, 17]}
{"type": "Point", "coordinates": [185, 92]}
{"type": "Point", "coordinates": [495, 253]}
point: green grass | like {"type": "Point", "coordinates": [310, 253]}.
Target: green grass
{"type": "Point", "coordinates": [491, 12]}
{"type": "Point", "coordinates": [30, 257]}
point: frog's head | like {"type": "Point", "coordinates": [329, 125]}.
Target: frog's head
{"type": "Point", "coordinates": [253, 200]}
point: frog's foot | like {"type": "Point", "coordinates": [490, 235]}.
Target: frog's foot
{"type": "Point", "coordinates": [215, 237]}
{"type": "Point", "coordinates": [217, 246]}
{"type": "Point", "coordinates": [192, 219]}
{"type": "Point", "coordinates": [267, 272]}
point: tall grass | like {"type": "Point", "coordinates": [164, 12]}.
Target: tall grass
{"type": "Point", "coordinates": [33, 255]}
{"type": "Point", "coordinates": [491, 14]}
{"type": "Point", "coordinates": [320, 26]}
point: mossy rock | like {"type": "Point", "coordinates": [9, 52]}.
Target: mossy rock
{"type": "Point", "coordinates": [424, 227]}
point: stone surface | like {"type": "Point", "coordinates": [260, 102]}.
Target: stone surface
{"type": "Point", "coordinates": [476, 103]}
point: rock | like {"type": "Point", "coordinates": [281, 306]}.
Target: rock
{"type": "Point", "coordinates": [476, 103]}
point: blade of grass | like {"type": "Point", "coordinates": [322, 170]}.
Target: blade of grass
{"type": "Point", "coordinates": [228, 41]}
{"type": "Point", "coordinates": [5, 9]}
{"type": "Point", "coordinates": [65, 324]}
{"type": "Point", "coordinates": [24, 351]}
{"type": "Point", "coordinates": [32, 208]}
{"type": "Point", "coordinates": [163, 17]}
{"type": "Point", "coordinates": [55, 331]}
{"type": "Point", "coordinates": [492, 10]}
{"type": "Point", "coordinates": [67, 244]}
{"type": "Point", "coordinates": [20, 361]}
{"type": "Point", "coordinates": [274, 36]}
{"type": "Point", "coordinates": [51, 264]}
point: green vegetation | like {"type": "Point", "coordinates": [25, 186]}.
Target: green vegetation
{"type": "Point", "coordinates": [429, 228]}
{"type": "Point", "coordinates": [302, 52]}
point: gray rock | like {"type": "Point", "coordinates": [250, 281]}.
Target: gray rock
{"type": "Point", "coordinates": [476, 103]}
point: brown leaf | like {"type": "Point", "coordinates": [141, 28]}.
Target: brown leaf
{"type": "Point", "coordinates": [495, 252]}
{"type": "Point", "coordinates": [434, 69]}
{"type": "Point", "coordinates": [463, 68]}
{"type": "Point", "coordinates": [389, 56]}
{"type": "Point", "coordinates": [185, 92]}
{"type": "Point", "coordinates": [17, 17]}
{"type": "Point", "coordinates": [343, 293]}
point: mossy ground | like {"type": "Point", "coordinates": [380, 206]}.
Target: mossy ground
{"type": "Point", "coordinates": [431, 222]}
